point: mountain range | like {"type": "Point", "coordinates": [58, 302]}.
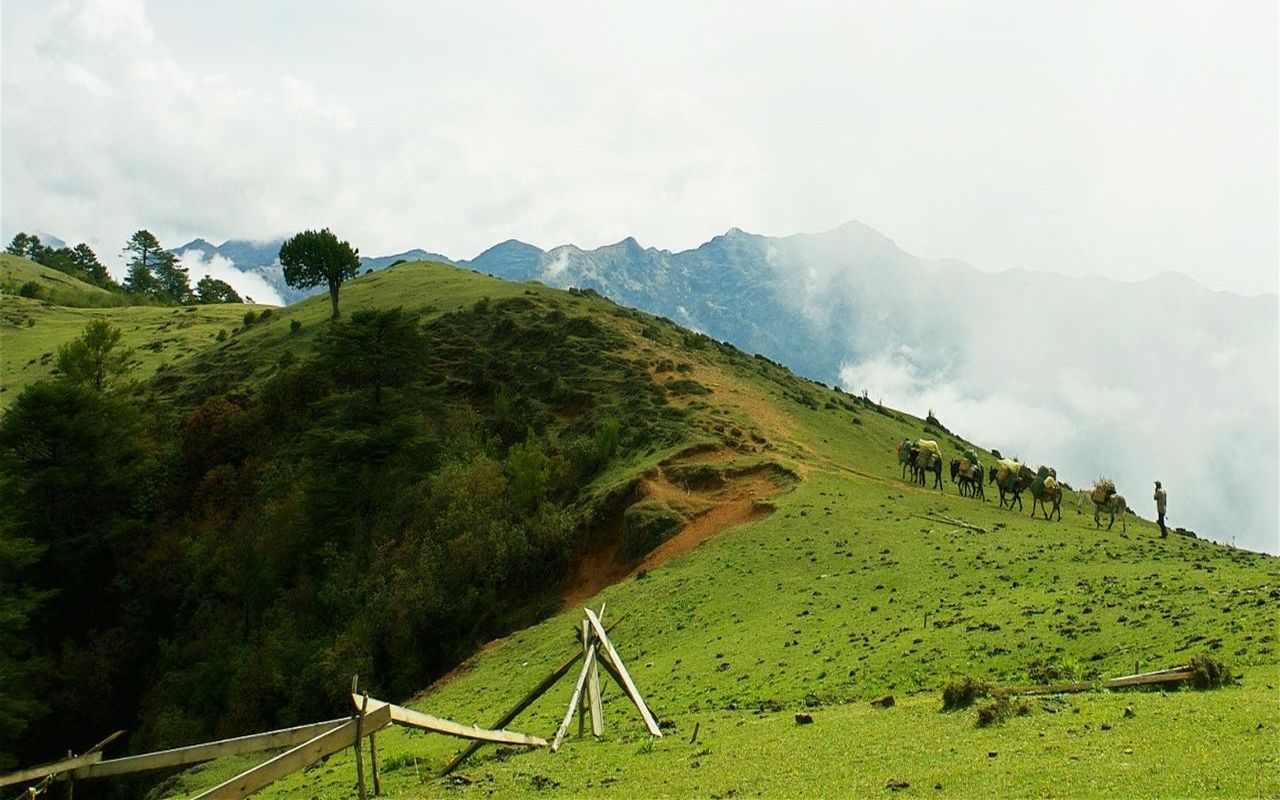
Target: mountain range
{"type": "Point", "coordinates": [1162, 379]}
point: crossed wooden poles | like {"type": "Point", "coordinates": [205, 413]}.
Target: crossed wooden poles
{"type": "Point", "coordinates": [309, 743]}
{"type": "Point", "coordinates": [597, 648]}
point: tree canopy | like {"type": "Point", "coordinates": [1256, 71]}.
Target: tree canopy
{"type": "Point", "coordinates": [79, 261]}
{"type": "Point", "coordinates": [312, 258]}
{"type": "Point", "coordinates": [155, 272]}
{"type": "Point", "coordinates": [211, 290]}
{"type": "Point", "coordinates": [96, 357]}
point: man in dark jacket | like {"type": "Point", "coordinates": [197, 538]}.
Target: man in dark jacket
{"type": "Point", "coordinates": [1160, 499]}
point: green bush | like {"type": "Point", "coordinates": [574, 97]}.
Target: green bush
{"type": "Point", "coordinates": [608, 432]}
{"type": "Point", "coordinates": [529, 469]}
{"type": "Point", "coordinates": [1210, 673]}
{"type": "Point", "coordinates": [686, 386]}
{"type": "Point", "coordinates": [295, 325]}
{"type": "Point", "coordinates": [1057, 669]}
{"type": "Point", "coordinates": [962, 692]}
{"type": "Point", "coordinates": [30, 289]}
{"type": "Point", "coordinates": [998, 711]}
{"type": "Point", "coordinates": [646, 525]}
{"type": "Point", "coordinates": [249, 318]}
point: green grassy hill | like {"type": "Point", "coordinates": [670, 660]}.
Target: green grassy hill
{"type": "Point", "coordinates": [801, 575]}
{"type": "Point", "coordinates": [52, 286]}
{"type": "Point", "coordinates": [31, 328]}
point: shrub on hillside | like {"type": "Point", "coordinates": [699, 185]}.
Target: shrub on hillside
{"type": "Point", "coordinates": [646, 525]}
{"type": "Point", "coordinates": [1056, 669]}
{"type": "Point", "coordinates": [1210, 673]}
{"type": "Point", "coordinates": [962, 692]}
{"type": "Point", "coordinates": [998, 711]}
{"type": "Point", "coordinates": [686, 386]}
{"type": "Point", "coordinates": [30, 289]}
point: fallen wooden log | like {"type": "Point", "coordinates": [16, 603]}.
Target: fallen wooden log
{"type": "Point", "coordinates": [949, 521]}
{"type": "Point", "coordinates": [416, 719]}
{"type": "Point", "coordinates": [1054, 688]}
{"type": "Point", "coordinates": [1148, 680]}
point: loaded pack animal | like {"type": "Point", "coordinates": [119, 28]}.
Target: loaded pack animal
{"type": "Point", "coordinates": [1107, 500]}
{"type": "Point", "coordinates": [1011, 478]}
{"type": "Point", "coordinates": [928, 458]}
{"type": "Point", "coordinates": [906, 457]}
{"type": "Point", "coordinates": [967, 475]}
{"type": "Point", "coordinates": [1046, 490]}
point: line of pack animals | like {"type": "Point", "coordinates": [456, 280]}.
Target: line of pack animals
{"type": "Point", "coordinates": [923, 457]}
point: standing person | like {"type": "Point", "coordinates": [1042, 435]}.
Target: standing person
{"type": "Point", "coordinates": [1160, 499]}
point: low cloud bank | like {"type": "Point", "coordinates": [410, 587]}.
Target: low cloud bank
{"type": "Point", "coordinates": [1214, 449]}
{"type": "Point", "coordinates": [247, 284]}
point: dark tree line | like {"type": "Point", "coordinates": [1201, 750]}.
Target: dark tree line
{"type": "Point", "coordinates": [153, 273]}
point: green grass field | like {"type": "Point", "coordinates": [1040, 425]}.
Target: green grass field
{"type": "Point", "coordinates": [841, 594]}
{"type": "Point", "coordinates": [54, 287]}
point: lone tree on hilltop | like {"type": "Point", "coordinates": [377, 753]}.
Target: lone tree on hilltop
{"type": "Point", "coordinates": [95, 357]}
{"type": "Point", "coordinates": [315, 257]}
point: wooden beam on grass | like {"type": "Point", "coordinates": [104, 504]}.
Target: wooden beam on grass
{"type": "Point", "coordinates": [416, 719]}
{"type": "Point", "coordinates": [272, 770]}
{"type": "Point", "coordinates": [949, 521]}
{"type": "Point", "coordinates": [197, 753]}
{"type": "Point", "coordinates": [1148, 680]}
{"type": "Point", "coordinates": [628, 685]}
{"type": "Point", "coordinates": [1169, 671]}
{"type": "Point", "coordinates": [526, 701]}
{"type": "Point", "coordinates": [1054, 688]}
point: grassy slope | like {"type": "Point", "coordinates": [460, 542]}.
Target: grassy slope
{"type": "Point", "coordinates": [58, 287]}
{"type": "Point", "coordinates": [841, 595]}
{"type": "Point", "coordinates": [31, 330]}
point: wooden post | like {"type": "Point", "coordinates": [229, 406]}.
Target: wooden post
{"type": "Point", "coordinates": [373, 759]}
{"type": "Point", "coordinates": [588, 661]}
{"type": "Point", "coordinates": [611, 655]}
{"type": "Point", "coordinates": [593, 688]}
{"type": "Point", "coordinates": [356, 744]}
{"type": "Point", "coordinates": [582, 707]}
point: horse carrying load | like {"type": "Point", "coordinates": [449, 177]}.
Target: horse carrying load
{"type": "Point", "coordinates": [1004, 468]}
{"type": "Point", "coordinates": [1102, 490]}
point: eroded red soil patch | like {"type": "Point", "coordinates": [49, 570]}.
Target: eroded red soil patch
{"type": "Point", "coordinates": [742, 498]}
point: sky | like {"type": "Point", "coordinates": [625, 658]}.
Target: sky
{"type": "Point", "coordinates": [1116, 138]}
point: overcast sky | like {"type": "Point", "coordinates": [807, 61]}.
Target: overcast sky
{"type": "Point", "coordinates": [1110, 137]}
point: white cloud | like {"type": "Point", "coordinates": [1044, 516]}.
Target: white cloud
{"type": "Point", "coordinates": [246, 284]}
{"type": "Point", "coordinates": [1126, 142]}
